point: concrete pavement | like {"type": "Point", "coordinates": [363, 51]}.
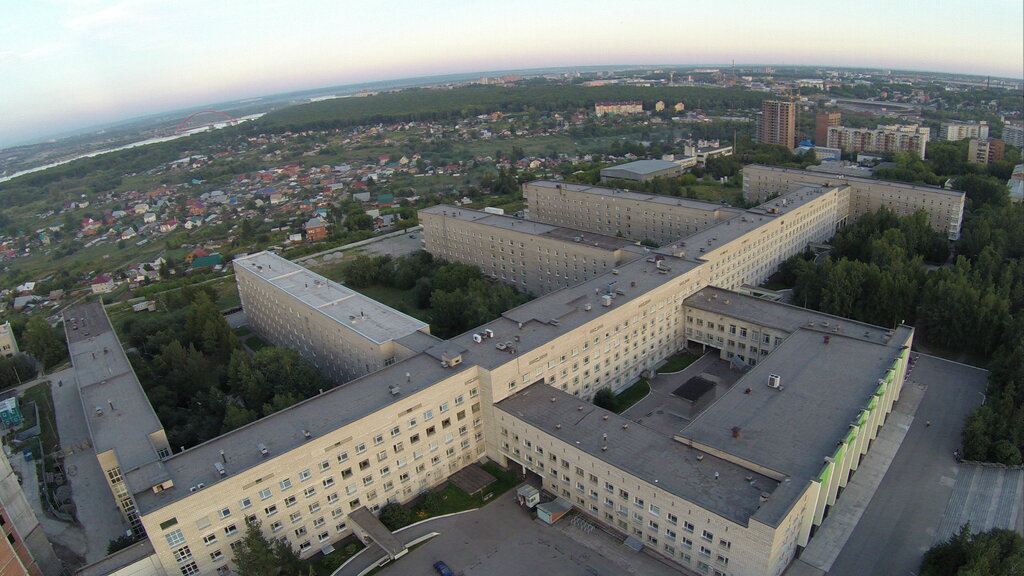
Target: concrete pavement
{"type": "Point", "coordinates": [987, 497]}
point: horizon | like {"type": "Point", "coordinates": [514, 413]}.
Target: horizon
{"type": "Point", "coordinates": [78, 65]}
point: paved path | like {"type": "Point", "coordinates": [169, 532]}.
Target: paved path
{"type": "Point", "coordinates": [987, 497]}
{"type": "Point", "coordinates": [500, 539]}
{"type": "Point", "coordinates": [901, 521]}
{"type": "Point", "coordinates": [96, 510]}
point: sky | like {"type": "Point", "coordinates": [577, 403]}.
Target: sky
{"type": "Point", "coordinates": [69, 64]}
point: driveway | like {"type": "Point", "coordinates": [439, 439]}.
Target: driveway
{"type": "Point", "coordinates": [501, 539]}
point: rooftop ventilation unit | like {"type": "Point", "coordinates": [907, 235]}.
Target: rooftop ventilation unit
{"type": "Point", "coordinates": [478, 338]}
{"type": "Point", "coordinates": [220, 469]}
{"type": "Point", "coordinates": [263, 449]}
{"type": "Point", "coordinates": [395, 389]}
{"type": "Point", "coordinates": [306, 434]}
{"type": "Point", "coordinates": [774, 381]}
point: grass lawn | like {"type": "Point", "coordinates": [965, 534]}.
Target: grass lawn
{"type": "Point", "coordinates": [718, 192]}
{"type": "Point", "coordinates": [678, 362]}
{"type": "Point", "coordinates": [326, 565]}
{"type": "Point", "coordinates": [401, 300]}
{"type": "Point", "coordinates": [632, 395]}
{"type": "Point", "coordinates": [255, 343]}
{"type": "Point", "coordinates": [455, 500]}
{"type": "Point", "coordinates": [776, 286]}
{"type": "Point", "coordinates": [242, 331]}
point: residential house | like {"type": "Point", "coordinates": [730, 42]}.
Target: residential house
{"type": "Point", "coordinates": [316, 229]}
{"type": "Point", "coordinates": [102, 284]}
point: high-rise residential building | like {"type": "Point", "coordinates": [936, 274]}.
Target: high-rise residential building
{"type": "Point", "coordinates": [778, 123]}
{"type": "Point", "coordinates": [1013, 134]}
{"type": "Point", "coordinates": [891, 138]}
{"type": "Point", "coordinates": [985, 151]}
{"type": "Point", "coordinates": [963, 130]}
{"type": "Point", "coordinates": [822, 122]}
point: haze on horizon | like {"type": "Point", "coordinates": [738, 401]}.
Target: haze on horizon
{"type": "Point", "coordinates": [70, 64]}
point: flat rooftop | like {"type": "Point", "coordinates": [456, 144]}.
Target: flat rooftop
{"type": "Point", "coordinates": [643, 167]}
{"type": "Point", "coordinates": [746, 221]}
{"type": "Point", "coordinates": [647, 454]}
{"type": "Point", "coordinates": [838, 179]}
{"type": "Point", "coordinates": [337, 407]}
{"type": "Point", "coordinates": [530, 227]}
{"type": "Point", "coordinates": [834, 381]}
{"type": "Point", "coordinates": [654, 199]}
{"type": "Point", "coordinates": [363, 315]}
{"type": "Point", "coordinates": [107, 384]}
{"type": "Point", "coordinates": [781, 316]}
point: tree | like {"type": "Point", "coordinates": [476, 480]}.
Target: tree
{"type": "Point", "coordinates": [996, 552]}
{"type": "Point", "coordinates": [236, 416]}
{"type": "Point", "coordinates": [256, 555]}
{"type": "Point", "coordinates": [15, 370]}
{"type": "Point", "coordinates": [395, 516]}
{"type": "Point", "coordinates": [359, 222]}
{"type": "Point", "coordinates": [605, 398]}
{"type": "Point", "coordinates": [120, 543]}
{"type": "Point", "coordinates": [44, 342]}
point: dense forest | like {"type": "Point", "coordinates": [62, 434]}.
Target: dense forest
{"type": "Point", "coordinates": [425, 104]}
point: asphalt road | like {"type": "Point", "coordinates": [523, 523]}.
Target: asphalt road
{"type": "Point", "coordinates": [900, 523]}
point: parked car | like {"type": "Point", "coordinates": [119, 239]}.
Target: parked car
{"type": "Point", "coordinates": [443, 569]}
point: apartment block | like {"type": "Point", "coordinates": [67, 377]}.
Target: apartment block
{"type": "Point", "coordinates": [341, 332]}
{"type": "Point", "coordinates": [891, 138]}
{"type": "Point", "coordinates": [822, 122]}
{"type": "Point", "coordinates": [777, 124]}
{"type": "Point", "coordinates": [627, 107]}
{"type": "Point", "coordinates": [963, 130]}
{"type": "Point", "coordinates": [531, 256]}
{"type": "Point", "coordinates": [985, 151]}
{"type": "Point", "coordinates": [944, 207]}
{"type": "Point", "coordinates": [1013, 134]}
{"type": "Point", "coordinates": [624, 213]}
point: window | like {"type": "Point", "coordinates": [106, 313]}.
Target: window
{"type": "Point", "coordinates": [225, 513]}
{"type": "Point", "coordinates": [656, 511]}
{"type": "Point", "coordinates": [328, 482]}
{"type": "Point", "coordinates": [314, 507]}
{"type": "Point", "coordinates": [300, 531]}
{"type": "Point", "coordinates": [688, 527]}
{"type": "Point", "coordinates": [443, 408]}
{"type": "Point", "coordinates": [286, 483]}
{"type": "Point", "coordinates": [290, 501]}
{"type": "Point", "coordinates": [378, 439]}
{"type": "Point", "coordinates": [705, 552]}
{"type": "Point", "coordinates": [265, 493]}
{"type": "Point", "coordinates": [231, 529]}
{"type": "Point", "coordinates": [324, 536]}
{"type": "Point", "coordinates": [396, 431]}
{"type": "Point", "coordinates": [429, 414]}
{"type": "Point", "coordinates": [364, 465]}
{"type": "Point", "coordinates": [216, 555]}
{"type": "Point", "coordinates": [360, 448]}
{"type": "Point", "coordinates": [325, 466]}
{"type": "Point", "coordinates": [309, 492]}
{"type": "Point", "coordinates": [182, 554]}
{"type": "Point", "coordinates": [672, 519]}
{"type": "Point", "coordinates": [305, 475]}
{"type": "Point", "coordinates": [459, 400]}
{"type": "Point", "coordinates": [209, 539]}
{"type": "Point", "coordinates": [708, 536]}
{"type": "Point", "coordinates": [725, 544]}
{"type": "Point", "coordinates": [245, 503]}
{"type": "Point", "coordinates": [189, 569]}
{"type": "Point", "coordinates": [332, 498]}
{"type": "Point", "coordinates": [276, 526]}
{"type": "Point", "coordinates": [382, 455]}
{"type": "Point", "coordinates": [175, 538]}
